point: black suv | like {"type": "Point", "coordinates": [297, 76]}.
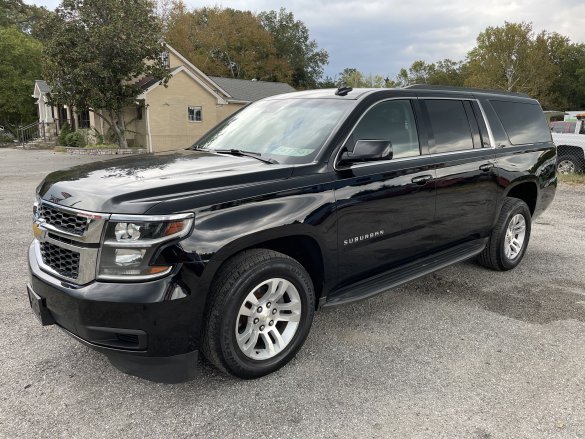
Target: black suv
{"type": "Point", "coordinates": [294, 203]}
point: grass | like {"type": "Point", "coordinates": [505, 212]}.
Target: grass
{"type": "Point", "coordinates": [576, 179]}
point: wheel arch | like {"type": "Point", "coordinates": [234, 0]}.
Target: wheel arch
{"type": "Point", "coordinates": [525, 190]}
{"type": "Point", "coordinates": [297, 242]}
{"type": "Point", "coordinates": [577, 151]}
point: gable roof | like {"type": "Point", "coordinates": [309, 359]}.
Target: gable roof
{"type": "Point", "coordinates": [249, 91]}
{"type": "Point", "coordinates": [42, 87]}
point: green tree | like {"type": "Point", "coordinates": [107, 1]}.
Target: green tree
{"type": "Point", "coordinates": [294, 44]}
{"type": "Point", "coordinates": [226, 42]}
{"type": "Point", "coordinates": [568, 89]}
{"type": "Point", "coordinates": [513, 58]}
{"type": "Point", "coordinates": [445, 72]}
{"type": "Point", "coordinates": [95, 50]}
{"type": "Point", "coordinates": [18, 14]}
{"type": "Point", "coordinates": [20, 65]}
{"type": "Point", "coordinates": [354, 78]}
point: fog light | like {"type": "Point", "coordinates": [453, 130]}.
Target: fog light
{"type": "Point", "coordinates": [126, 257]}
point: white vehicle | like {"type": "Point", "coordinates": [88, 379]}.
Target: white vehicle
{"type": "Point", "coordinates": [569, 137]}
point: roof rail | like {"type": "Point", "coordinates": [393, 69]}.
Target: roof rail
{"type": "Point", "coordinates": [468, 89]}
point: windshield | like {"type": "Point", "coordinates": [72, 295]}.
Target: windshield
{"type": "Point", "coordinates": [286, 130]}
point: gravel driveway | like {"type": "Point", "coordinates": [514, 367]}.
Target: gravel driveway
{"type": "Point", "coordinates": [462, 353]}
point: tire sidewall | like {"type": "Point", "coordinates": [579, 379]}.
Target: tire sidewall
{"type": "Point", "coordinates": [520, 208]}
{"type": "Point", "coordinates": [237, 361]}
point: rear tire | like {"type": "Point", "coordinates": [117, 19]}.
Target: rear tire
{"type": "Point", "coordinates": [261, 308]}
{"type": "Point", "coordinates": [509, 238]}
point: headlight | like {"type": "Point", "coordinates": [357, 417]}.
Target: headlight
{"type": "Point", "coordinates": [131, 241]}
{"type": "Point", "coordinates": [36, 207]}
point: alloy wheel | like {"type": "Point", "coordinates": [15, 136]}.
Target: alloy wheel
{"type": "Point", "coordinates": [268, 319]}
{"type": "Point", "coordinates": [515, 235]}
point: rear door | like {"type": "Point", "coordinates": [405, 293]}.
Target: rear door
{"type": "Point", "coordinates": [466, 181]}
{"type": "Point", "coordinates": [384, 208]}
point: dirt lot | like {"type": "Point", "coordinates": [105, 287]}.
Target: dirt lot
{"type": "Point", "coordinates": [462, 353]}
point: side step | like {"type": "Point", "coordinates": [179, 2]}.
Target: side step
{"type": "Point", "coordinates": [392, 278]}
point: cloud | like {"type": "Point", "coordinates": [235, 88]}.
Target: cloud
{"type": "Point", "coordinates": [384, 36]}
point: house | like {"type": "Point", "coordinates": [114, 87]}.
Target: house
{"type": "Point", "coordinates": [165, 118]}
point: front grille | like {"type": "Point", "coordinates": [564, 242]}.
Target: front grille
{"type": "Point", "coordinates": [68, 222]}
{"type": "Point", "coordinates": [63, 261]}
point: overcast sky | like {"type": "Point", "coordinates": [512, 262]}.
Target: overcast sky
{"type": "Point", "coordinates": [383, 36]}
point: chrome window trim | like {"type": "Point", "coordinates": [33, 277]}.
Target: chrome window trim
{"type": "Point", "coordinates": [374, 163]}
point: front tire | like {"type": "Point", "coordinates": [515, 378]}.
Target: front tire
{"type": "Point", "coordinates": [261, 308]}
{"type": "Point", "coordinates": [509, 238]}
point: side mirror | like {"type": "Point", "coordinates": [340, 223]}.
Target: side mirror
{"type": "Point", "coordinates": [368, 151]}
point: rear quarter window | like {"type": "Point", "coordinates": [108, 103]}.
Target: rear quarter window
{"type": "Point", "coordinates": [523, 122]}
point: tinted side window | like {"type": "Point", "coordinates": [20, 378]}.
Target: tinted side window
{"type": "Point", "coordinates": [393, 121]}
{"type": "Point", "coordinates": [563, 127]}
{"type": "Point", "coordinates": [524, 123]}
{"type": "Point", "coordinates": [449, 124]}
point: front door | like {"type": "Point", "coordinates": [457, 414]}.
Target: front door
{"type": "Point", "coordinates": [384, 208]}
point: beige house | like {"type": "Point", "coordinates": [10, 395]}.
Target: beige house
{"type": "Point", "coordinates": [166, 118]}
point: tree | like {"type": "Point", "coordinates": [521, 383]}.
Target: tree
{"type": "Point", "coordinates": [568, 89]}
{"type": "Point", "coordinates": [96, 50]}
{"type": "Point", "coordinates": [226, 42]}
{"type": "Point", "coordinates": [354, 78]}
{"type": "Point", "coordinates": [20, 61]}
{"type": "Point", "coordinates": [18, 14]}
{"type": "Point", "coordinates": [293, 43]}
{"type": "Point", "coordinates": [445, 72]}
{"type": "Point", "coordinates": [513, 58]}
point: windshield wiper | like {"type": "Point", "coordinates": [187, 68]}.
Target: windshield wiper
{"type": "Point", "coordinates": [239, 152]}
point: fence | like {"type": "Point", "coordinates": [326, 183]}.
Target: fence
{"type": "Point", "coordinates": [571, 159]}
{"type": "Point", "coordinates": [31, 132]}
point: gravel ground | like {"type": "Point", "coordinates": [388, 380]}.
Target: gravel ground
{"type": "Point", "coordinates": [462, 353]}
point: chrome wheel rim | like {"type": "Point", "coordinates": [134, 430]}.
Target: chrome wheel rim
{"type": "Point", "coordinates": [268, 319]}
{"type": "Point", "coordinates": [566, 167]}
{"type": "Point", "coordinates": [515, 235]}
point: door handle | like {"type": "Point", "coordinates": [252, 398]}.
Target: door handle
{"type": "Point", "coordinates": [421, 179]}
{"type": "Point", "coordinates": [486, 167]}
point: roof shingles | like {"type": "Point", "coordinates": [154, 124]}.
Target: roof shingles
{"type": "Point", "coordinates": [249, 91]}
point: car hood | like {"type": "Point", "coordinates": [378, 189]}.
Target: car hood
{"type": "Point", "coordinates": [133, 184]}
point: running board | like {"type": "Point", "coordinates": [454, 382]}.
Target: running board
{"type": "Point", "coordinates": [392, 278]}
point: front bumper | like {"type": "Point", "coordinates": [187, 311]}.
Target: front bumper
{"type": "Point", "coordinates": [136, 325]}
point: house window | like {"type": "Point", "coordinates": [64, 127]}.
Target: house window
{"type": "Point", "coordinates": [139, 112]}
{"type": "Point", "coordinates": [194, 114]}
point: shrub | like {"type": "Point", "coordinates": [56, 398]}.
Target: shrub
{"type": "Point", "coordinates": [94, 137]}
{"type": "Point", "coordinates": [65, 131]}
{"type": "Point", "coordinates": [75, 139]}
{"type": "Point", "coordinates": [6, 138]}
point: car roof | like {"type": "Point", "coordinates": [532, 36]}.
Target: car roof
{"type": "Point", "coordinates": [418, 89]}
